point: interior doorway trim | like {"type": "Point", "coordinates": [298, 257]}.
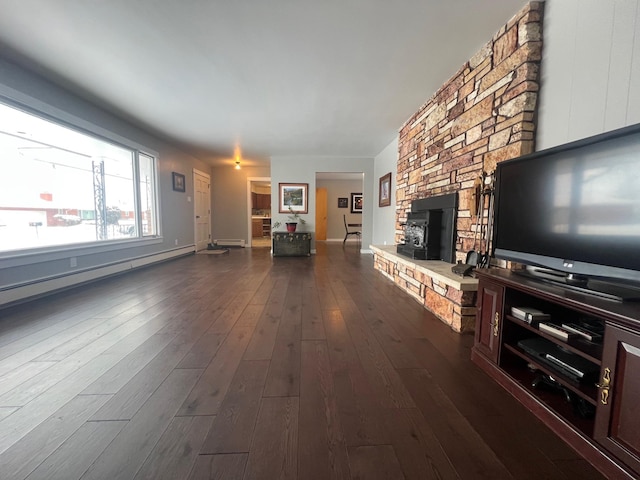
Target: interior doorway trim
{"type": "Point", "coordinates": [196, 204]}
{"type": "Point", "coordinates": [250, 180]}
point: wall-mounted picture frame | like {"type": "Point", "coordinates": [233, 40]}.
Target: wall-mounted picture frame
{"type": "Point", "coordinates": [179, 184]}
{"type": "Point", "coordinates": [343, 202]}
{"type": "Point", "coordinates": [356, 203]}
{"type": "Point", "coordinates": [384, 193]}
{"type": "Point", "coordinates": [293, 197]}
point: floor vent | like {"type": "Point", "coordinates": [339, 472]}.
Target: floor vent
{"type": "Point", "coordinates": [230, 242]}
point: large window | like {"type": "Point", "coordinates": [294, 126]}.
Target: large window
{"type": "Point", "coordinates": [60, 187]}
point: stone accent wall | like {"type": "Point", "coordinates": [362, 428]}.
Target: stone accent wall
{"type": "Point", "coordinates": [483, 115]}
{"type": "Point", "coordinates": [450, 298]}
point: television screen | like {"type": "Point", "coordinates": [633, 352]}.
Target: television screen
{"type": "Point", "coordinates": [574, 208]}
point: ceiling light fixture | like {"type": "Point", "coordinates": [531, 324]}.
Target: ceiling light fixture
{"type": "Point", "coordinates": [237, 155]}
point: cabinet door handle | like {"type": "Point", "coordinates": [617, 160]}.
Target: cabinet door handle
{"type": "Point", "coordinates": [496, 324]}
{"type": "Point", "coordinates": [604, 386]}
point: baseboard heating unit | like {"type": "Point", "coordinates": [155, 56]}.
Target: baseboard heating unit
{"type": "Point", "coordinates": [230, 242]}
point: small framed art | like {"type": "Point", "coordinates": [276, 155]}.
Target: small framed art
{"type": "Point", "coordinates": [384, 194]}
{"type": "Point", "coordinates": [178, 182]}
{"type": "Point", "coordinates": [356, 203]}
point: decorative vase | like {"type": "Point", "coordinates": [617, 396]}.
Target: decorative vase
{"type": "Point", "coordinates": [291, 227]}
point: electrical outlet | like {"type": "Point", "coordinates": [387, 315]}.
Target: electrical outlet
{"type": "Point", "coordinates": [73, 262]}
{"type": "Point", "coordinates": [176, 241]}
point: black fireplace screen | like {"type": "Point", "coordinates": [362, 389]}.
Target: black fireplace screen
{"type": "Point", "coordinates": [429, 233]}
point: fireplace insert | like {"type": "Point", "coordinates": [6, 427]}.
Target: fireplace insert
{"type": "Point", "coordinates": [429, 233]}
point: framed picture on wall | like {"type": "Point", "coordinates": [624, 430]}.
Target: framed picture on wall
{"type": "Point", "coordinates": [384, 194]}
{"type": "Point", "coordinates": [343, 202]}
{"type": "Point", "coordinates": [178, 182]}
{"type": "Point", "coordinates": [356, 203]}
{"type": "Point", "coordinates": [293, 197]}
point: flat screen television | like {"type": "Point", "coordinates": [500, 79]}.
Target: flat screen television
{"type": "Point", "coordinates": [574, 209]}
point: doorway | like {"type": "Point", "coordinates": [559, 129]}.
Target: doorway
{"type": "Point", "coordinates": [202, 209]}
{"type": "Point", "coordinates": [259, 211]}
{"type": "Point", "coordinates": [321, 213]}
{"type": "Point", "coordinates": [334, 193]}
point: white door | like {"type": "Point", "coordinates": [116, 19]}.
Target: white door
{"type": "Point", "coordinates": [202, 207]}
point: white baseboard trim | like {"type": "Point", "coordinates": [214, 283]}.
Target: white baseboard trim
{"type": "Point", "coordinates": [47, 285]}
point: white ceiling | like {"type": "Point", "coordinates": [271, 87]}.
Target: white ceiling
{"type": "Point", "coordinates": [276, 78]}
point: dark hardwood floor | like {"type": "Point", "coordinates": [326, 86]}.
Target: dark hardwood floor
{"type": "Point", "coordinates": [243, 366]}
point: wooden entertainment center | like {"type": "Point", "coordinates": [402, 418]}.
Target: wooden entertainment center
{"type": "Point", "coordinates": [599, 418]}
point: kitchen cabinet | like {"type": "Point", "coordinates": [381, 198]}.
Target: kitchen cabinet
{"type": "Point", "coordinates": [261, 227]}
{"type": "Point", "coordinates": [586, 391]}
{"type": "Point", "coordinates": [256, 227]}
{"type": "Point", "coordinates": [260, 201]}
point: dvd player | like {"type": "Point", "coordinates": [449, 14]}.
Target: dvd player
{"type": "Point", "coordinates": [569, 364]}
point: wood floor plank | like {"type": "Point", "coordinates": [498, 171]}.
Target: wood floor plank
{"type": "Point", "coordinates": [21, 374]}
{"type": "Point", "coordinates": [88, 332]}
{"type": "Point", "coordinates": [264, 337]}
{"type": "Point", "coordinates": [116, 378]}
{"type": "Point", "coordinates": [471, 456]}
{"type": "Point", "coordinates": [24, 455]}
{"type": "Point", "coordinates": [383, 377]}
{"type": "Point", "coordinates": [225, 322]}
{"type": "Point", "coordinates": [312, 326]}
{"type": "Point", "coordinates": [274, 450]}
{"type": "Point", "coordinates": [498, 433]}
{"type": "Point", "coordinates": [322, 452]}
{"type": "Point", "coordinates": [220, 467]}
{"type": "Point", "coordinates": [128, 399]}
{"type": "Point", "coordinates": [40, 383]}
{"type": "Point", "coordinates": [38, 334]}
{"type": "Point", "coordinates": [374, 462]}
{"type": "Point", "coordinates": [358, 406]}
{"type": "Point", "coordinates": [208, 393]}
{"type": "Point", "coordinates": [283, 379]}
{"type": "Point", "coordinates": [177, 450]}
{"type": "Point", "coordinates": [250, 315]}
{"type": "Point", "coordinates": [6, 411]}
{"type": "Point", "coordinates": [232, 429]}
{"type": "Point", "coordinates": [263, 291]}
{"type": "Point", "coordinates": [78, 452]}
{"type": "Point", "coordinates": [126, 454]}
{"type": "Point", "coordinates": [323, 289]}
{"type": "Point", "coordinates": [200, 355]}
{"type": "Point", "coordinates": [417, 448]}
{"type": "Point", "coordinates": [386, 328]}
{"type": "Point", "coordinates": [20, 423]}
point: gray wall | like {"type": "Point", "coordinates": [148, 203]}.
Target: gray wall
{"type": "Point", "coordinates": [229, 201]}
{"type": "Point", "coordinates": [590, 69]}
{"type": "Point", "coordinates": [384, 218]}
{"type": "Point", "coordinates": [335, 219]}
{"type": "Point", "coordinates": [176, 208]}
{"type": "Point", "coordinates": [303, 170]}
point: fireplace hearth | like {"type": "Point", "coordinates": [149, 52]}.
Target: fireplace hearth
{"type": "Point", "coordinates": [429, 233]}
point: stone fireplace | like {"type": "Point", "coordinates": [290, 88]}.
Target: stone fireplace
{"type": "Point", "coordinates": [483, 115]}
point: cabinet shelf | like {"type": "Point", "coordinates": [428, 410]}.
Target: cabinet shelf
{"type": "Point", "coordinates": [589, 350]}
{"type": "Point", "coordinates": [610, 439]}
{"type": "Point", "coordinates": [524, 377]}
{"type": "Point", "coordinates": [584, 391]}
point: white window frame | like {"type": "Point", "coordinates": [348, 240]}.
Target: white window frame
{"type": "Point", "coordinates": [30, 105]}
